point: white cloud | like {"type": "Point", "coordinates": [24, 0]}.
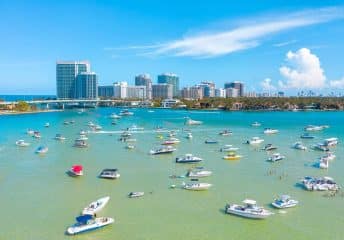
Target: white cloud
{"type": "Point", "coordinates": [337, 83]}
{"type": "Point", "coordinates": [245, 36]}
{"type": "Point", "coordinates": [282, 44]}
{"type": "Point", "coordinates": [303, 70]}
{"type": "Point", "coordinates": [266, 85]}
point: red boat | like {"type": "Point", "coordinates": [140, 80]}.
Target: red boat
{"type": "Point", "coordinates": [76, 171]}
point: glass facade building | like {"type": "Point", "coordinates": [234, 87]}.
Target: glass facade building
{"type": "Point", "coordinates": [170, 78]}
{"type": "Point", "coordinates": [86, 86]}
{"type": "Point", "coordinates": [145, 80]}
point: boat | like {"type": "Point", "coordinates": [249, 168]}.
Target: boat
{"type": "Point", "coordinates": [30, 132]}
{"type": "Point", "coordinates": [284, 201]}
{"type": "Point", "coordinates": [76, 171]}
{"type": "Point", "coordinates": [36, 134]}
{"type": "Point", "coordinates": [319, 184]}
{"type": "Point", "coordinates": [229, 148]}
{"type": "Point", "coordinates": [276, 157]}
{"type": "Point", "coordinates": [97, 127]}
{"type": "Point", "coordinates": [47, 124]}
{"type": "Point", "coordinates": [136, 194]}
{"type": "Point", "coordinates": [232, 156]}
{"type": "Point", "coordinates": [95, 206]}
{"type": "Point", "coordinates": [323, 163]}
{"type": "Point", "coordinates": [189, 135]}
{"type": "Point", "coordinates": [248, 210]}
{"type": "Point", "coordinates": [82, 138]}
{"type": "Point", "coordinates": [163, 150]}
{"type": "Point", "coordinates": [22, 143]}
{"type": "Point", "coordinates": [270, 131]}
{"type": "Point", "coordinates": [172, 134]}
{"type": "Point", "coordinates": [66, 122]}
{"type": "Point", "coordinates": [321, 147]}
{"type": "Point", "coordinates": [129, 146]}
{"type": "Point", "coordinates": [126, 134]}
{"type": "Point", "coordinates": [306, 136]}
{"type": "Point", "coordinates": [79, 143]}
{"type": "Point", "coordinates": [189, 121]}
{"type": "Point", "coordinates": [329, 142]}
{"type": "Point", "coordinates": [198, 173]}
{"type": "Point", "coordinates": [59, 137]}
{"type": "Point", "coordinates": [329, 156]}
{"type": "Point", "coordinates": [255, 140]}
{"type": "Point", "coordinates": [225, 133]}
{"type": "Point", "coordinates": [109, 173]}
{"type": "Point", "coordinates": [125, 112]}
{"type": "Point", "coordinates": [299, 145]}
{"type": "Point", "coordinates": [113, 122]}
{"type": "Point", "coordinates": [196, 186]}
{"type": "Point", "coordinates": [86, 223]}
{"type": "Point", "coordinates": [135, 128]}
{"type": "Point", "coordinates": [115, 116]}
{"type": "Point", "coordinates": [171, 141]}
{"type": "Point", "coordinates": [269, 147]}
{"type": "Point", "coordinates": [211, 141]}
{"type": "Point", "coordinates": [82, 132]}
{"type": "Point", "coordinates": [41, 150]}
{"type": "Point", "coordinates": [312, 128]}
{"type": "Point", "coordinates": [188, 158]}
{"type": "Point", "coordinates": [90, 124]}
{"type": "Point", "coordinates": [256, 124]}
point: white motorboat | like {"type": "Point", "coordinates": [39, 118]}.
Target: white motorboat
{"type": "Point", "coordinates": [307, 136]}
{"type": "Point", "coordinates": [329, 156]}
{"type": "Point", "coordinates": [129, 146]}
{"type": "Point", "coordinates": [80, 143]}
{"type": "Point", "coordinates": [189, 121]}
{"type": "Point", "coordinates": [82, 138]}
{"type": "Point", "coordinates": [95, 206]}
{"type": "Point", "coordinates": [256, 124]}
{"type": "Point", "coordinates": [47, 124]}
{"type": "Point", "coordinates": [90, 124]}
{"type": "Point", "coordinates": [41, 150]}
{"type": "Point", "coordinates": [226, 133]}
{"type": "Point", "coordinates": [276, 157]}
{"type": "Point", "coordinates": [87, 223]}
{"type": "Point", "coordinates": [188, 158]}
{"type": "Point", "coordinates": [125, 112]}
{"type": "Point", "coordinates": [312, 128]}
{"type": "Point", "coordinates": [329, 142]}
{"type": "Point", "coordinates": [248, 210]}
{"type": "Point", "coordinates": [284, 201]}
{"type": "Point", "coordinates": [189, 135]}
{"type": "Point", "coordinates": [300, 146]}
{"type": "Point", "coordinates": [22, 143]}
{"type": "Point", "coordinates": [269, 147]}
{"type": "Point", "coordinates": [59, 137]}
{"type": "Point", "coordinates": [319, 184]}
{"type": "Point", "coordinates": [109, 173]}
{"type": "Point", "coordinates": [163, 150]}
{"type": "Point", "coordinates": [198, 173]}
{"type": "Point", "coordinates": [136, 194]}
{"type": "Point", "coordinates": [321, 147]}
{"type": "Point", "coordinates": [115, 116]}
{"type": "Point", "coordinates": [36, 134]}
{"type": "Point", "coordinates": [171, 141]}
{"type": "Point", "coordinates": [323, 163]}
{"type": "Point", "coordinates": [229, 148]}
{"type": "Point", "coordinates": [30, 132]}
{"type": "Point", "coordinates": [255, 140]}
{"type": "Point", "coordinates": [196, 186]}
{"type": "Point", "coordinates": [97, 127]}
{"type": "Point", "coordinates": [135, 128]}
{"type": "Point", "coordinates": [82, 133]}
{"type": "Point", "coordinates": [126, 134]}
{"type": "Point", "coordinates": [270, 131]}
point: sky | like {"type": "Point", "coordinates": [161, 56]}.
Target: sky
{"type": "Point", "coordinates": [268, 45]}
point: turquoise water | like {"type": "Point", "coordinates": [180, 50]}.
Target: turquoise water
{"type": "Point", "coordinates": [39, 201]}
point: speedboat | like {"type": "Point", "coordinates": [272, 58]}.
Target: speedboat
{"type": "Point", "coordinates": [90, 124]}
{"type": "Point", "coordinates": [306, 136]}
{"type": "Point", "coordinates": [232, 156]}
{"type": "Point", "coordinates": [321, 147]}
{"type": "Point", "coordinates": [163, 150]}
{"type": "Point", "coordinates": [41, 150]}
{"type": "Point", "coordinates": [87, 223]}
{"type": "Point", "coordinates": [22, 143]}
{"type": "Point", "coordinates": [125, 112]}
{"type": "Point", "coordinates": [196, 186]}
{"type": "Point", "coordinates": [229, 148]}
{"type": "Point", "coordinates": [171, 141]}
{"type": "Point", "coordinates": [255, 140]}
{"type": "Point", "coordinates": [59, 137]}
{"type": "Point", "coordinates": [135, 194]}
{"type": "Point", "coordinates": [129, 146]}
{"type": "Point", "coordinates": [95, 206]}
{"type": "Point", "coordinates": [256, 124]}
{"type": "Point", "coordinates": [284, 201]}
{"type": "Point", "coordinates": [97, 127]}
{"type": "Point", "coordinates": [300, 146]}
{"type": "Point", "coordinates": [37, 134]}
{"type": "Point", "coordinates": [198, 173]}
{"type": "Point", "coordinates": [329, 142]}
{"type": "Point", "coordinates": [276, 157]}
{"type": "Point", "coordinates": [248, 210]}
{"type": "Point", "coordinates": [189, 121]}
{"type": "Point", "coordinates": [135, 128]}
{"type": "Point", "coordinates": [82, 137]}
{"type": "Point", "coordinates": [126, 134]}
{"type": "Point", "coordinates": [319, 184]}
{"type": "Point", "coordinates": [82, 132]}
{"type": "Point", "coordinates": [225, 133]}
{"type": "Point", "coordinates": [210, 141]}
{"type": "Point", "coordinates": [270, 131]}
{"type": "Point", "coordinates": [30, 132]}
{"type": "Point", "coordinates": [76, 171]}
{"type": "Point", "coordinates": [323, 163]}
{"type": "Point", "coordinates": [189, 135]}
{"type": "Point", "coordinates": [172, 134]}
{"type": "Point", "coordinates": [188, 158]}
{"type": "Point", "coordinates": [114, 116]}
{"type": "Point", "coordinates": [269, 147]}
{"type": "Point", "coordinates": [109, 173]}
{"type": "Point", "coordinates": [314, 128]}
{"type": "Point", "coordinates": [329, 156]}
{"type": "Point", "coordinates": [47, 124]}
{"type": "Point", "coordinates": [80, 143]}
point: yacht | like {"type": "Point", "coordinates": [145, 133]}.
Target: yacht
{"type": "Point", "coordinates": [80, 143]}
{"type": "Point", "coordinates": [321, 147]}
{"type": "Point", "coordinates": [86, 223]}
{"type": "Point", "coordinates": [96, 206]}
{"type": "Point", "coordinates": [59, 137]}
{"type": "Point", "coordinates": [188, 158]}
{"type": "Point", "coordinates": [163, 150]}
{"type": "Point", "coordinates": [136, 194]}
{"type": "Point", "coordinates": [329, 142]}
{"type": "Point", "coordinates": [198, 173]}
{"type": "Point", "coordinates": [189, 121]}
{"type": "Point", "coordinates": [323, 163]}
{"type": "Point", "coordinates": [319, 184]}
{"type": "Point", "coordinates": [300, 146]}
{"type": "Point", "coordinates": [232, 156]}
{"type": "Point", "coordinates": [189, 135]}
{"type": "Point", "coordinates": [329, 156]}
{"type": "Point", "coordinates": [248, 210]}
{"type": "Point", "coordinates": [256, 124]}
{"type": "Point", "coordinates": [125, 112]}
{"type": "Point", "coordinates": [225, 133]}
{"type": "Point", "coordinates": [312, 128]}
{"type": "Point", "coordinates": [270, 131]}
{"type": "Point", "coordinates": [307, 136]}
{"type": "Point", "coordinates": [229, 148]}
{"type": "Point", "coordinates": [255, 140]}
{"type": "Point", "coordinates": [114, 116]}
{"type": "Point", "coordinates": [37, 134]}
{"type": "Point", "coordinates": [269, 147]}
{"type": "Point", "coordinates": [41, 150]}
{"type": "Point", "coordinates": [22, 143]}
{"type": "Point", "coordinates": [276, 157]}
{"type": "Point", "coordinates": [109, 173]}
{"type": "Point", "coordinates": [171, 141]}
{"type": "Point", "coordinates": [284, 201]}
{"type": "Point", "coordinates": [196, 186]}
{"type": "Point", "coordinates": [76, 171]}
{"type": "Point", "coordinates": [211, 141]}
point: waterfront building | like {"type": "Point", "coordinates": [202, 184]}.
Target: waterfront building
{"type": "Point", "coordinates": [106, 91]}
{"type": "Point", "coordinates": [220, 92]}
{"type": "Point", "coordinates": [232, 92]}
{"type": "Point", "coordinates": [196, 92]}
{"type": "Point", "coordinates": [66, 73]}
{"type": "Point", "coordinates": [208, 89]}
{"type": "Point", "coordinates": [86, 86]}
{"type": "Point", "coordinates": [120, 90]}
{"type": "Point", "coordinates": [145, 80]}
{"type": "Point", "coordinates": [162, 90]}
{"type": "Point", "coordinates": [237, 85]}
{"type": "Point", "coordinates": [251, 94]}
{"type": "Point", "coordinates": [170, 78]}
{"type": "Point", "coordinates": [168, 103]}
{"type": "Point", "coordinates": [136, 92]}
{"type": "Point", "coordinates": [185, 93]}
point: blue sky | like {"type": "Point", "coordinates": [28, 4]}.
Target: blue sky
{"type": "Point", "coordinates": [268, 45]}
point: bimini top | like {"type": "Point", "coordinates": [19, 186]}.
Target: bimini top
{"type": "Point", "coordinates": [249, 202]}
{"type": "Point", "coordinates": [84, 218]}
{"type": "Point", "coordinates": [77, 168]}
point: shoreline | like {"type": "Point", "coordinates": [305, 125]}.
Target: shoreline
{"type": "Point", "coordinates": [9, 112]}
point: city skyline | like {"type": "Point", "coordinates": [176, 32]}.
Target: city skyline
{"type": "Point", "coordinates": [272, 47]}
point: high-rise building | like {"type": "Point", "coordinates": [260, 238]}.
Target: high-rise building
{"type": "Point", "coordinates": [86, 86]}
{"type": "Point", "coordinates": [66, 73]}
{"type": "Point", "coordinates": [120, 90]}
{"type": "Point", "coordinates": [145, 80]}
{"type": "Point", "coordinates": [208, 88]}
{"type": "Point", "coordinates": [136, 92]}
{"type": "Point", "coordinates": [170, 78]}
{"type": "Point", "coordinates": [185, 93]}
{"type": "Point", "coordinates": [232, 92]}
{"type": "Point", "coordinates": [236, 85]}
{"type": "Point", "coordinates": [196, 92]}
{"type": "Point", "coordinates": [220, 92]}
{"type": "Point", "coordinates": [106, 91]}
{"type": "Point", "coordinates": [162, 90]}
